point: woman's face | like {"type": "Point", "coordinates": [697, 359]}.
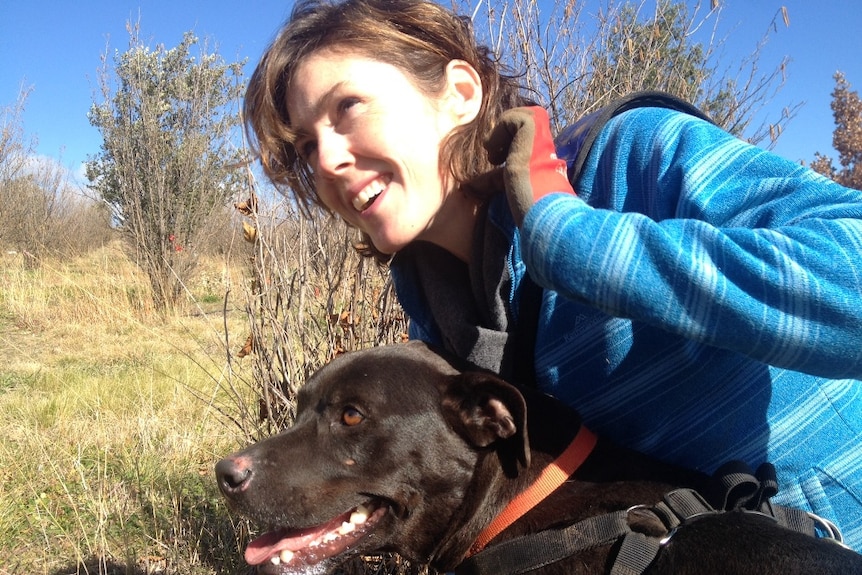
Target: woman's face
{"type": "Point", "coordinates": [373, 141]}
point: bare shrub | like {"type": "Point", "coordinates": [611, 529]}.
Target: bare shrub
{"type": "Point", "coordinates": [15, 148]}
{"type": "Point", "coordinates": [44, 214]}
{"type": "Point", "coordinates": [41, 210]}
{"type": "Point", "coordinates": [85, 226]}
{"type": "Point", "coordinates": [308, 298]}
{"type": "Point", "coordinates": [574, 61]}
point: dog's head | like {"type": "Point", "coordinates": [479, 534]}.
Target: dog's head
{"type": "Point", "coordinates": [386, 447]}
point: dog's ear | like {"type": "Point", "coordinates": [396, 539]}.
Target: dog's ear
{"type": "Point", "coordinates": [486, 409]}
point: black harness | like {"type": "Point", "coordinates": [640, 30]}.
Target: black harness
{"type": "Point", "coordinates": [734, 488]}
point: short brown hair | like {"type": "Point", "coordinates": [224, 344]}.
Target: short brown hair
{"type": "Point", "coordinates": [419, 37]}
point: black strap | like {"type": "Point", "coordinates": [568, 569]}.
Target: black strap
{"type": "Point", "coordinates": [734, 485]}
{"type": "Point", "coordinates": [636, 554]}
{"type": "Point", "coordinates": [587, 129]}
{"type": "Point", "coordinates": [529, 308]}
{"type": "Point", "coordinates": [535, 550]}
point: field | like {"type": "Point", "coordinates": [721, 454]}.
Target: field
{"type": "Point", "coordinates": [111, 419]}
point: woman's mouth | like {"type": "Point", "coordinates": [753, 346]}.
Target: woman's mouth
{"type": "Point", "coordinates": [367, 195]}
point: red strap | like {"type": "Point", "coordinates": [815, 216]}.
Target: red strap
{"type": "Point", "coordinates": [550, 479]}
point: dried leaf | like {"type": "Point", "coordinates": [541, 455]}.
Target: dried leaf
{"type": "Point", "coordinates": [247, 348]}
{"type": "Point", "coordinates": [249, 232]}
{"type": "Point", "coordinates": [248, 207]}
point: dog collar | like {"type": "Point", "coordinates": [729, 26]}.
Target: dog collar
{"type": "Point", "coordinates": [550, 479]}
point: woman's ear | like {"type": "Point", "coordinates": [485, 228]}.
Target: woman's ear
{"type": "Point", "coordinates": [463, 96]}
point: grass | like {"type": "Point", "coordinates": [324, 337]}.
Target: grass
{"type": "Point", "coordinates": [110, 422]}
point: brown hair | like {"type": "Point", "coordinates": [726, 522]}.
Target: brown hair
{"type": "Point", "coordinates": [419, 37]}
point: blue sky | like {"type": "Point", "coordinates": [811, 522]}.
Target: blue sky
{"type": "Point", "coordinates": [55, 48]}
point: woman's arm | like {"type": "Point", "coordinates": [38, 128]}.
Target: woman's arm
{"type": "Point", "coordinates": [680, 225]}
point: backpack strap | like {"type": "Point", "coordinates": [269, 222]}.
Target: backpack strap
{"type": "Point", "coordinates": [575, 142]}
{"type": "Point", "coordinates": [529, 308]}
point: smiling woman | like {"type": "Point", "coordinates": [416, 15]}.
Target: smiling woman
{"type": "Point", "coordinates": [397, 127]}
{"type": "Point", "coordinates": [694, 296]}
{"type": "Point", "coordinates": [348, 114]}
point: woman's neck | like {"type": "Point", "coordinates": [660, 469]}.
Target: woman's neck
{"type": "Point", "coordinates": [452, 228]}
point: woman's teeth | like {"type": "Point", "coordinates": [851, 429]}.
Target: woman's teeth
{"type": "Point", "coordinates": [366, 197]}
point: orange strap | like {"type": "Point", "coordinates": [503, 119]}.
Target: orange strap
{"type": "Point", "coordinates": [550, 479]}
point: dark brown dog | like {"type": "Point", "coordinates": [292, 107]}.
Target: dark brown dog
{"type": "Point", "coordinates": [396, 449]}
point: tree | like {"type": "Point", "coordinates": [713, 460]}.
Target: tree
{"type": "Point", "coordinates": [574, 65]}
{"type": "Point", "coordinates": [847, 137]}
{"type": "Point", "coordinates": [40, 210]}
{"type": "Point", "coordinates": [167, 119]}
{"type": "Point", "coordinates": [14, 146]}
{"type": "Point", "coordinates": [34, 206]}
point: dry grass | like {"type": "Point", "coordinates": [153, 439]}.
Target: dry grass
{"type": "Point", "coordinates": [109, 431]}
{"type": "Point", "coordinates": [112, 417]}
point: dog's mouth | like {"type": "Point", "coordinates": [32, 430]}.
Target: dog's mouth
{"type": "Point", "coordinates": [297, 548]}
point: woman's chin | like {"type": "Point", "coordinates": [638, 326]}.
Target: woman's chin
{"type": "Point", "coordinates": [388, 245]}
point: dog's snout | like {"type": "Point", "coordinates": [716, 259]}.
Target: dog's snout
{"type": "Point", "coordinates": [233, 474]}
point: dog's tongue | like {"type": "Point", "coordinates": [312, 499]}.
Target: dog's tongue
{"type": "Point", "coordinates": [319, 542]}
{"type": "Point", "coordinates": [264, 547]}
{"type": "Point", "coordinates": [272, 543]}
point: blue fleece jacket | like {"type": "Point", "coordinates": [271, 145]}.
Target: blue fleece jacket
{"type": "Point", "coordinates": [702, 303]}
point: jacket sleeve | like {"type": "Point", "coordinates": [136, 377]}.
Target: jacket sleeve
{"type": "Point", "coordinates": [683, 226]}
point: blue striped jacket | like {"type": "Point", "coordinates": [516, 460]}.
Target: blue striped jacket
{"type": "Point", "coordinates": [702, 303]}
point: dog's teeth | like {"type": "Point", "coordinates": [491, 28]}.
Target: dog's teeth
{"type": "Point", "coordinates": [346, 528]}
{"type": "Point", "coordinates": [359, 516]}
{"type": "Point", "coordinates": [330, 537]}
{"type": "Point", "coordinates": [285, 556]}
{"type": "Point", "coordinates": [275, 560]}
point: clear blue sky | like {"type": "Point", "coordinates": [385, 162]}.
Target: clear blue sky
{"type": "Point", "coordinates": [55, 48]}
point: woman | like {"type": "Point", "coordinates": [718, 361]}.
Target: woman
{"type": "Point", "coordinates": [698, 299]}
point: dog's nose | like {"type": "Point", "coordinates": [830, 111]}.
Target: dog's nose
{"type": "Point", "coordinates": [232, 475]}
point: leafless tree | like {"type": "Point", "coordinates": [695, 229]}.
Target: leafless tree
{"type": "Point", "coordinates": [573, 60]}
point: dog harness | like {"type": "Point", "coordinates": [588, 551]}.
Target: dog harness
{"type": "Point", "coordinates": [550, 479]}
{"type": "Point", "coordinates": [733, 488]}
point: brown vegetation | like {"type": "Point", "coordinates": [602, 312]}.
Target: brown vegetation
{"type": "Point", "coordinates": [847, 137]}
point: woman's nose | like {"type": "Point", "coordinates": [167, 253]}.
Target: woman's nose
{"type": "Point", "coordinates": [333, 154]}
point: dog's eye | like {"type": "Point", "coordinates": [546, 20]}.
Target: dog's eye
{"type": "Point", "coordinates": [351, 416]}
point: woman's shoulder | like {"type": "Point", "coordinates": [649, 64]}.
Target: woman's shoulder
{"type": "Point", "coordinates": [634, 112]}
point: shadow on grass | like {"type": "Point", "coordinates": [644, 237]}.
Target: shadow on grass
{"type": "Point", "coordinates": [197, 536]}
{"type": "Point", "coordinates": [184, 530]}
{"type": "Point", "coordinates": [152, 566]}
{"type": "Point", "coordinates": [97, 566]}
{"type": "Point", "coordinates": [387, 564]}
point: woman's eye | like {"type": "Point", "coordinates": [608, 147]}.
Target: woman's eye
{"type": "Point", "coordinates": [345, 104]}
{"type": "Point", "coordinates": [351, 416]}
{"type": "Point", "coordinates": [306, 149]}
